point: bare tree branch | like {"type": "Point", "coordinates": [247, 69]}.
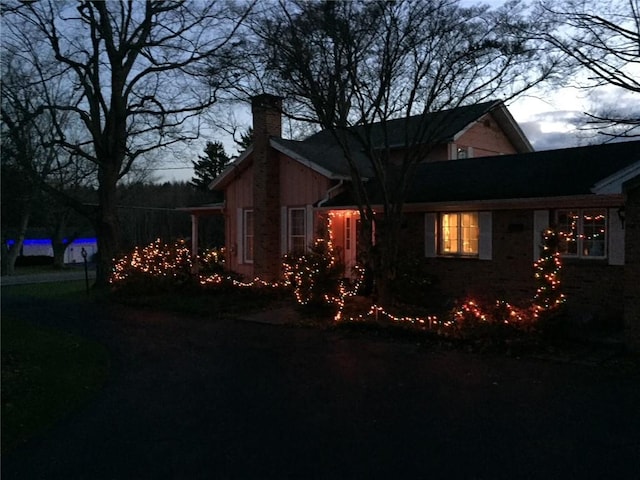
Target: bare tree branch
{"type": "Point", "coordinates": [138, 74]}
{"type": "Point", "coordinates": [604, 43]}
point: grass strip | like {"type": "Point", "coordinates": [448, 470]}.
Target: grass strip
{"type": "Point", "coordinates": [66, 290]}
{"type": "Point", "coordinates": [46, 374]}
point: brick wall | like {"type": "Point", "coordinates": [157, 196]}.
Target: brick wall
{"type": "Point", "coordinates": [632, 267]}
{"type": "Point", "coordinates": [593, 289]}
{"type": "Point", "coordinates": [508, 276]}
{"type": "Point", "coordinates": [266, 111]}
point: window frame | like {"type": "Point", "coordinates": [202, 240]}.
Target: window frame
{"type": "Point", "coordinates": [290, 235]}
{"type": "Point", "coordinates": [247, 236]}
{"type": "Point", "coordinates": [580, 231]}
{"type": "Point", "coordinates": [460, 239]}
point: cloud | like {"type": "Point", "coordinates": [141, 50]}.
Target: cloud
{"type": "Point", "coordinates": [551, 130]}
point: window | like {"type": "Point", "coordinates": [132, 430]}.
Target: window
{"type": "Point", "coordinates": [459, 234]}
{"type": "Point", "coordinates": [582, 233]}
{"type": "Point", "coordinates": [297, 230]}
{"type": "Point", "coordinates": [247, 244]}
{"type": "Point", "coordinates": [459, 152]}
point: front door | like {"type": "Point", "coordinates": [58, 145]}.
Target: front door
{"type": "Point", "coordinates": [351, 221]}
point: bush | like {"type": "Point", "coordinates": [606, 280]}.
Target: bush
{"type": "Point", "coordinates": [211, 261]}
{"type": "Point", "coordinates": [490, 321]}
{"type": "Point", "coordinates": [315, 275]}
{"type": "Point", "coordinates": [413, 285]}
{"type": "Point", "coordinates": [156, 267]}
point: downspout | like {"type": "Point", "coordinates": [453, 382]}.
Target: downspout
{"type": "Point", "coordinates": [329, 192]}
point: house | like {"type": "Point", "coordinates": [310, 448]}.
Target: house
{"type": "Point", "coordinates": [475, 211]}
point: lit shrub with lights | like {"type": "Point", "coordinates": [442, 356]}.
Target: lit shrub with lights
{"type": "Point", "coordinates": [158, 266]}
{"type": "Point", "coordinates": [548, 297]}
{"type": "Point", "coordinates": [211, 261]}
{"type": "Point", "coordinates": [315, 275]}
{"type": "Point", "coordinates": [494, 321]}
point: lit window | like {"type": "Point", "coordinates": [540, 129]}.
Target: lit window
{"type": "Point", "coordinates": [297, 230]}
{"type": "Point", "coordinates": [248, 236]}
{"type": "Point", "coordinates": [582, 233]}
{"type": "Point", "coordinates": [459, 234]}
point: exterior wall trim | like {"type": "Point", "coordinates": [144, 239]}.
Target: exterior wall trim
{"type": "Point", "coordinates": [588, 200]}
{"type": "Point", "coordinates": [519, 203]}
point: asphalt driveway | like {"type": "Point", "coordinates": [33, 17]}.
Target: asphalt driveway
{"type": "Point", "coordinates": [195, 398]}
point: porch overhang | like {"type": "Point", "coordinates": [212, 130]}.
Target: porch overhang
{"type": "Point", "coordinates": [204, 210]}
{"type": "Point", "coordinates": [197, 212]}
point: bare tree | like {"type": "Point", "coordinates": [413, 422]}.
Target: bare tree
{"type": "Point", "coordinates": [137, 74]}
{"type": "Point", "coordinates": [31, 160]}
{"type": "Point", "coordinates": [603, 40]}
{"type": "Point", "coordinates": [361, 69]}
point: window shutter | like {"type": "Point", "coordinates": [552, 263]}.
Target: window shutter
{"type": "Point", "coordinates": [240, 236]}
{"type": "Point", "coordinates": [485, 247]}
{"type": "Point", "coordinates": [615, 234]}
{"type": "Point", "coordinates": [308, 223]}
{"type": "Point", "coordinates": [540, 223]}
{"type": "Point", "coordinates": [430, 224]}
{"type": "Point", "coordinates": [469, 152]}
{"type": "Point", "coordinates": [284, 227]}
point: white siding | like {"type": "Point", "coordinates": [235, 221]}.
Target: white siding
{"type": "Point", "coordinates": [540, 223]}
{"type": "Point", "coordinates": [485, 245]}
{"type": "Point", "coordinates": [430, 237]}
{"type": "Point", "coordinates": [615, 234]}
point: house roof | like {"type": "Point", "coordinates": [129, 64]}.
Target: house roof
{"type": "Point", "coordinates": [322, 153]}
{"type": "Point", "coordinates": [550, 173]}
{"type": "Point", "coordinates": [436, 127]}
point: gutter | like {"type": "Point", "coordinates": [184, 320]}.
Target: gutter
{"type": "Point", "coordinates": [329, 192]}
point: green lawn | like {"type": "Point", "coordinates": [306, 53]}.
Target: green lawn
{"type": "Point", "coordinates": [46, 374]}
{"type": "Point", "coordinates": [66, 290]}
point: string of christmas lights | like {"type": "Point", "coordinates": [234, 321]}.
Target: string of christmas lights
{"type": "Point", "coordinates": [547, 269]}
{"type": "Point", "coordinates": [301, 273]}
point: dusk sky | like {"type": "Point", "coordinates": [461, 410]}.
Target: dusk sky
{"type": "Point", "coordinates": [549, 120]}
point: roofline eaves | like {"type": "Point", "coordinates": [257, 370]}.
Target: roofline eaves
{"type": "Point", "coordinates": [462, 131]}
{"type": "Point", "coordinates": [222, 179]}
{"type": "Point", "coordinates": [608, 200]}
{"type": "Point", "coordinates": [613, 183]}
{"type": "Point", "coordinates": [504, 115]}
{"type": "Point", "coordinates": [306, 162]}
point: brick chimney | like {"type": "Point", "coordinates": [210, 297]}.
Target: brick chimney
{"type": "Point", "coordinates": [267, 122]}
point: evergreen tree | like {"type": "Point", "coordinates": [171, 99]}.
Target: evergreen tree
{"type": "Point", "coordinates": [209, 166]}
{"type": "Point", "coordinates": [246, 139]}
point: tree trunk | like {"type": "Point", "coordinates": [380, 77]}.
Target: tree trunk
{"type": "Point", "coordinates": [58, 242]}
{"type": "Point", "coordinates": [107, 228]}
{"type": "Point", "coordinates": [385, 257]}
{"type": "Point", "coordinates": [59, 248]}
{"type": "Point", "coordinates": [14, 251]}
